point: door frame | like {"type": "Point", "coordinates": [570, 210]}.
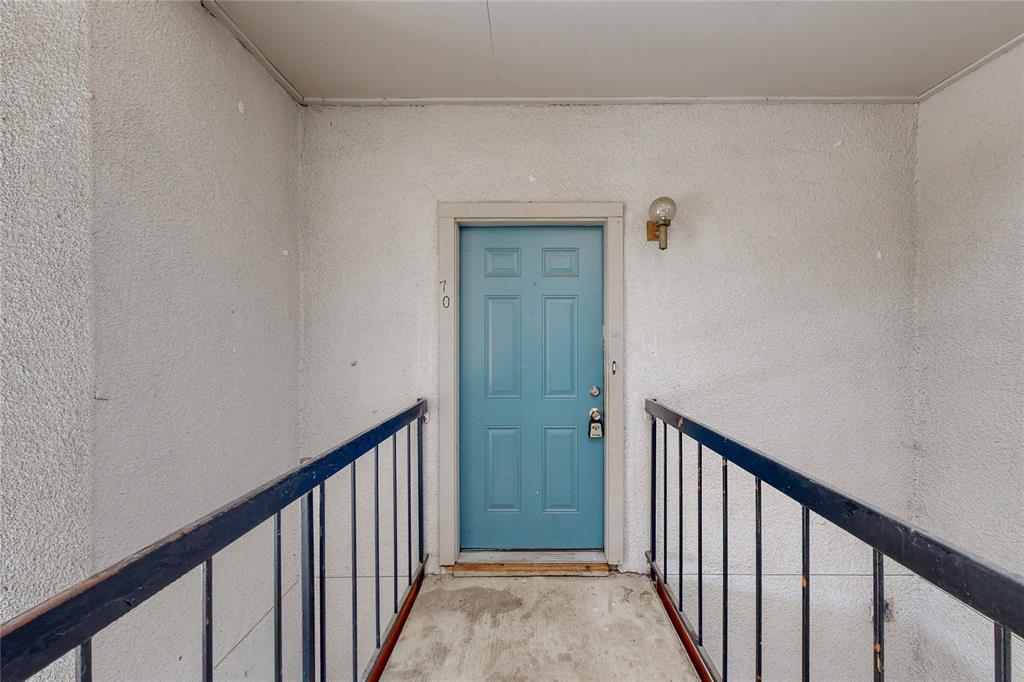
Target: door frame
{"type": "Point", "coordinates": [450, 218]}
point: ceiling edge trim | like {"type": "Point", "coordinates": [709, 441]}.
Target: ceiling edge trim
{"type": "Point", "coordinates": [971, 68]}
{"type": "Point", "coordinates": [214, 8]}
{"type": "Point", "coordinates": [421, 101]}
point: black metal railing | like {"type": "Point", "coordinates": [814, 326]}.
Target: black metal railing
{"type": "Point", "coordinates": [41, 635]}
{"type": "Point", "coordinates": [991, 591]}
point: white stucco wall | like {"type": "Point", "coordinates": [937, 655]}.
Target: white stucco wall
{"type": "Point", "coordinates": [969, 315]}
{"type": "Point", "coordinates": [789, 263]}
{"type": "Point", "coordinates": [969, 288]}
{"type": "Point", "coordinates": [46, 304]}
{"type": "Point", "coordinates": [196, 163]}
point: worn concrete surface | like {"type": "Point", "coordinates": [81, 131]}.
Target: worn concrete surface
{"type": "Point", "coordinates": [609, 628]}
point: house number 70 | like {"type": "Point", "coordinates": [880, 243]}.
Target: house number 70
{"type": "Point", "coordinates": [445, 301]}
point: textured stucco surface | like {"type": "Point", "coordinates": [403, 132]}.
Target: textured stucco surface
{"type": "Point", "coordinates": [195, 162]}
{"type": "Point", "coordinates": [969, 288]}
{"type": "Point", "coordinates": [45, 294]}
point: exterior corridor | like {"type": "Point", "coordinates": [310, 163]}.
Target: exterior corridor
{"type": "Point", "coordinates": [538, 628]}
{"type": "Point", "coordinates": [309, 310]}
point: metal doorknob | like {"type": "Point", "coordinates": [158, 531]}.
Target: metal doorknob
{"type": "Point", "coordinates": [595, 414]}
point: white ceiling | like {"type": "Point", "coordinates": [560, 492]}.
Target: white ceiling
{"type": "Point", "coordinates": [366, 52]}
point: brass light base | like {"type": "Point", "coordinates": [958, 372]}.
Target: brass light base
{"type": "Point", "coordinates": [658, 233]}
{"type": "Point", "coordinates": [652, 230]}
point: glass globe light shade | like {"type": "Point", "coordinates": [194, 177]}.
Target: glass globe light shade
{"type": "Point", "coordinates": [662, 209]}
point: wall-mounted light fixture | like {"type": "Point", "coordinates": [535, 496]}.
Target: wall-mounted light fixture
{"type": "Point", "coordinates": [661, 213]}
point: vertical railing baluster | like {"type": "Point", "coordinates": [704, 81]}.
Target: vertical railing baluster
{"type": "Point", "coordinates": [805, 606]}
{"type": "Point", "coordinates": [394, 520]}
{"type": "Point", "coordinates": [878, 614]}
{"type": "Point", "coordinates": [725, 569]}
{"type": "Point", "coordinates": [323, 584]}
{"type": "Point", "coordinates": [419, 482]}
{"type": "Point", "coordinates": [664, 500]}
{"type": "Point", "coordinates": [355, 576]}
{"type": "Point", "coordinates": [1003, 663]}
{"type": "Point", "coordinates": [278, 667]}
{"type": "Point", "coordinates": [83, 672]}
{"type": "Point", "coordinates": [654, 492]}
{"type": "Point", "coordinates": [308, 615]}
{"type": "Point", "coordinates": [700, 543]}
{"type": "Point", "coordinates": [408, 500]}
{"type": "Point", "coordinates": [758, 614]}
{"type": "Point", "coordinates": [376, 541]}
{"type": "Point", "coordinates": [680, 596]}
{"type": "Point", "coordinates": [208, 620]}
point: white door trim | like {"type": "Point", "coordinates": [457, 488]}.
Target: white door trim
{"type": "Point", "coordinates": [452, 216]}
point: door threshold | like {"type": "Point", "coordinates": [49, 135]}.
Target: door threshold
{"type": "Point", "coordinates": [531, 563]}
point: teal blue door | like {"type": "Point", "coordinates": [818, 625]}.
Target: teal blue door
{"type": "Point", "coordinates": [531, 351]}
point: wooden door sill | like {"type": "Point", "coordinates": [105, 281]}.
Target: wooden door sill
{"type": "Point", "coordinates": [530, 563]}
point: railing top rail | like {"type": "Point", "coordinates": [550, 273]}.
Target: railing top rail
{"type": "Point", "coordinates": [41, 635]}
{"type": "Point", "coordinates": [988, 589]}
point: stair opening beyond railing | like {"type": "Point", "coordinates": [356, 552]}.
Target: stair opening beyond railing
{"type": "Point", "coordinates": [996, 594]}
{"type": "Point", "coordinates": [38, 637]}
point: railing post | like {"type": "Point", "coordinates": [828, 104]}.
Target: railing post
{"type": "Point", "coordinates": [355, 579]}
{"type": "Point", "coordinates": [278, 666]}
{"type": "Point", "coordinates": [878, 614]}
{"type": "Point", "coordinates": [394, 520]}
{"type": "Point", "coordinates": [654, 492]}
{"type": "Point", "coordinates": [83, 673]}
{"type": "Point", "coordinates": [419, 481]}
{"type": "Point", "coordinates": [308, 616]}
{"type": "Point", "coordinates": [207, 674]}
{"type": "Point", "coordinates": [323, 583]}
{"type": "Point", "coordinates": [408, 499]}
{"type": "Point", "coordinates": [376, 544]}
{"type": "Point", "coordinates": [680, 597]}
{"type": "Point", "coordinates": [725, 569]}
{"type": "Point", "coordinates": [1003, 659]}
{"type": "Point", "coordinates": [700, 543]}
{"type": "Point", "coordinates": [805, 605]}
{"type": "Point", "coordinates": [758, 579]}
{"type": "Point", "coordinates": [664, 501]}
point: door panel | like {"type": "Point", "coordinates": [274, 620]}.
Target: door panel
{"type": "Point", "coordinates": [501, 328]}
{"type": "Point", "coordinates": [503, 474]}
{"type": "Point", "coordinates": [559, 474]}
{"type": "Point", "coordinates": [531, 307]}
{"type": "Point", "coordinates": [559, 339]}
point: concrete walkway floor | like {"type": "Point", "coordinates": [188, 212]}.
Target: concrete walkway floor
{"type": "Point", "coordinates": [600, 628]}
